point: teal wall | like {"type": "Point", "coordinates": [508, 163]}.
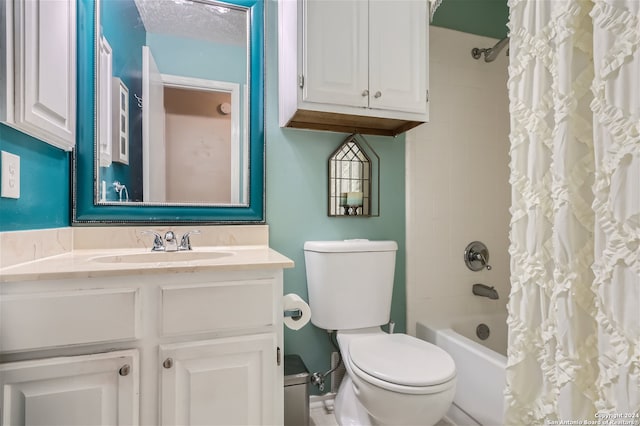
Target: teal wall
{"type": "Point", "coordinates": [45, 190]}
{"type": "Point", "coordinates": [120, 24]}
{"type": "Point", "coordinates": [198, 58]}
{"type": "Point", "coordinates": [481, 17]}
{"type": "Point", "coordinates": [297, 186]}
{"type": "Point", "coordinates": [44, 184]}
{"type": "Point", "coordinates": [296, 183]}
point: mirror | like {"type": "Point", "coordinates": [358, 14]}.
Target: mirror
{"type": "Point", "coordinates": [175, 131]}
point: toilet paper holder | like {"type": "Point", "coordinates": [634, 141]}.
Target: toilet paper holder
{"type": "Point", "coordinates": [295, 314]}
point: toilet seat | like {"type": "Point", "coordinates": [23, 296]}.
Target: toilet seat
{"type": "Point", "coordinates": [401, 363]}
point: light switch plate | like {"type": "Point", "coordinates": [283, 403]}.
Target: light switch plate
{"type": "Point", "coordinates": [10, 179]}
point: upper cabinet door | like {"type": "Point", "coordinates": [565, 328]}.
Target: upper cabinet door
{"type": "Point", "coordinates": [41, 63]}
{"type": "Point", "coordinates": [398, 55]}
{"type": "Point", "coordinates": [335, 63]}
{"type": "Point", "coordinates": [353, 65]}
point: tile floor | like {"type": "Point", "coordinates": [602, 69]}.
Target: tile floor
{"type": "Point", "coordinates": [320, 416]}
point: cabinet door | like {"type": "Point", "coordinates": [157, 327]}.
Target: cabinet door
{"type": "Point", "coordinates": [334, 57]}
{"type": "Point", "coordinates": [45, 70]}
{"type": "Point", "coordinates": [227, 381]}
{"type": "Point", "coordinates": [99, 389]}
{"type": "Point", "coordinates": [398, 55]}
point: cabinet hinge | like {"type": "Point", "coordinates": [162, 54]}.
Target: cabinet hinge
{"type": "Point", "coordinates": [301, 81]}
{"type": "Point", "coordinates": [278, 356]}
{"type": "Point", "coordinates": [427, 96]}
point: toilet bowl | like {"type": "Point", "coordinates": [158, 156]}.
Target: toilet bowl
{"type": "Point", "coordinates": [393, 379]}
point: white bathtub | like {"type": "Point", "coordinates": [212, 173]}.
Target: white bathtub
{"type": "Point", "coordinates": [480, 366]}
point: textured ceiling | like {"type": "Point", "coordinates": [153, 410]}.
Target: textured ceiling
{"type": "Point", "coordinates": [208, 21]}
{"type": "Point", "coordinates": [482, 17]}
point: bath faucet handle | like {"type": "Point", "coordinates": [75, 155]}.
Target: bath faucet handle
{"type": "Point", "coordinates": [185, 241]}
{"type": "Point", "coordinates": [158, 243]}
{"type": "Point", "coordinates": [479, 256]}
{"type": "Point", "coordinates": [476, 256]}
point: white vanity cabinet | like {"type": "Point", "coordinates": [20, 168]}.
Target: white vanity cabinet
{"type": "Point", "coordinates": [353, 65]}
{"type": "Point", "coordinates": [98, 389]}
{"type": "Point", "coordinates": [173, 348]}
{"type": "Point", "coordinates": [38, 69]}
{"type": "Point", "coordinates": [226, 381]}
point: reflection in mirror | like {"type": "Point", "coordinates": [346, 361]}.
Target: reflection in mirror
{"type": "Point", "coordinates": [172, 88]}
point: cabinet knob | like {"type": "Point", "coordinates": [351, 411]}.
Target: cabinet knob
{"type": "Point", "coordinates": [124, 370]}
{"type": "Point", "coordinates": [365, 92]}
{"type": "Point", "coordinates": [168, 363]}
{"type": "Point", "coordinates": [378, 94]}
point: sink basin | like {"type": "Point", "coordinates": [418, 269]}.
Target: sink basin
{"type": "Point", "coordinates": [161, 257]}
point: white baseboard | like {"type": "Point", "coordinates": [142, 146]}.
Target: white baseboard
{"type": "Point", "coordinates": [319, 398]}
{"type": "Point", "coordinates": [458, 417]}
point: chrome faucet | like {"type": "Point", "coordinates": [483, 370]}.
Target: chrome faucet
{"type": "Point", "coordinates": [121, 189]}
{"type": "Point", "coordinates": [170, 241]}
{"type": "Point", "coordinates": [485, 291]}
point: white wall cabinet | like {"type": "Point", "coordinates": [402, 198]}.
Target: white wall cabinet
{"type": "Point", "coordinates": [202, 348]}
{"type": "Point", "coordinates": [38, 69]}
{"type": "Point", "coordinates": [353, 65]}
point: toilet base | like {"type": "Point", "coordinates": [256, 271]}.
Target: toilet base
{"type": "Point", "coordinates": [347, 408]}
{"type": "Point", "coordinates": [349, 411]}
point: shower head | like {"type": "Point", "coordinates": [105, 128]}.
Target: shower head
{"type": "Point", "coordinates": [491, 53]}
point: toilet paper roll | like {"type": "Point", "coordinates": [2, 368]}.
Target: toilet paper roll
{"type": "Point", "coordinates": [293, 301]}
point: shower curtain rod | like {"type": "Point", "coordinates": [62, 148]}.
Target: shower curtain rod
{"type": "Point", "coordinates": [491, 53]}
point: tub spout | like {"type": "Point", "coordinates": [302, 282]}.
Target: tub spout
{"type": "Point", "coordinates": [485, 291]}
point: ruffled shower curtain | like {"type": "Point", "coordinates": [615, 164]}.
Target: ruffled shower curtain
{"type": "Point", "coordinates": [574, 308]}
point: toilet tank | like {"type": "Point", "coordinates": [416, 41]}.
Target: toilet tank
{"type": "Point", "coordinates": [350, 282]}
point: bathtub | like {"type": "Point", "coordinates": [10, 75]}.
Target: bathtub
{"type": "Point", "coordinates": [480, 366]}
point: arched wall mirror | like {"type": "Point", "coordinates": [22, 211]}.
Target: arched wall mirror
{"type": "Point", "coordinates": [170, 111]}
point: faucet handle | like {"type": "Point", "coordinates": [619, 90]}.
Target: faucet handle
{"type": "Point", "coordinates": [476, 256]}
{"type": "Point", "coordinates": [485, 263]}
{"type": "Point", "coordinates": [158, 243]}
{"type": "Point", "coordinates": [185, 241]}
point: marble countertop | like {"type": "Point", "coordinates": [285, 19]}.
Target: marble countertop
{"type": "Point", "coordinates": [88, 263]}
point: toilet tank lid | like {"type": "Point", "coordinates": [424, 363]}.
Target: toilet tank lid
{"type": "Point", "coordinates": [346, 246]}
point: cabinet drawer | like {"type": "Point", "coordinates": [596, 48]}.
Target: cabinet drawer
{"type": "Point", "coordinates": [48, 319]}
{"type": "Point", "coordinates": [218, 306]}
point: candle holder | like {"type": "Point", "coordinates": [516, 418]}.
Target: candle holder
{"type": "Point", "coordinates": [352, 210]}
{"type": "Point", "coordinates": [351, 181]}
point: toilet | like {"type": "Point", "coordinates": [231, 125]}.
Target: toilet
{"type": "Point", "coordinates": [392, 379]}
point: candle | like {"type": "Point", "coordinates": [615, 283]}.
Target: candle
{"type": "Point", "coordinates": [354, 198]}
